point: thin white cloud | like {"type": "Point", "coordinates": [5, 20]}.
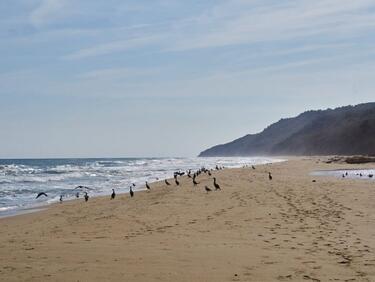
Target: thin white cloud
{"type": "Point", "coordinates": [117, 73]}
{"type": "Point", "coordinates": [47, 10]}
{"type": "Point", "coordinates": [113, 47]}
{"type": "Point", "coordinates": [241, 23]}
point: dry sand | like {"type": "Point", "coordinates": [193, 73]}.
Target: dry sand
{"type": "Point", "coordinates": [287, 229]}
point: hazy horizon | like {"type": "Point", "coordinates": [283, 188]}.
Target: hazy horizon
{"type": "Point", "coordinates": [172, 78]}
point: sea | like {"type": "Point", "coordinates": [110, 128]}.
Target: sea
{"type": "Point", "coordinates": [22, 179]}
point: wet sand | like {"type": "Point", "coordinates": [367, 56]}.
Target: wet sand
{"type": "Point", "coordinates": [287, 229]}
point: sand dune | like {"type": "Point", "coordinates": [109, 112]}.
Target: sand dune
{"type": "Point", "coordinates": [287, 229]}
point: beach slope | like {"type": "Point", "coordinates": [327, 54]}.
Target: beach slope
{"type": "Point", "coordinates": [255, 229]}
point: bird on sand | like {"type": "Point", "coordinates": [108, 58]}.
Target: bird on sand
{"type": "Point", "coordinates": [176, 181]}
{"type": "Point", "coordinates": [77, 195]}
{"type": "Point", "coordinates": [166, 182]}
{"type": "Point", "coordinates": [113, 195]}
{"type": "Point", "coordinates": [195, 182]}
{"type": "Point", "coordinates": [131, 192]}
{"type": "Point", "coordinates": [86, 197]}
{"type": "Point", "coordinates": [253, 167]}
{"type": "Point", "coordinates": [41, 194]}
{"type": "Point", "coordinates": [207, 189]}
{"type": "Point", "coordinates": [217, 186]}
{"type": "Point", "coordinates": [148, 186]}
{"type": "Point", "coordinates": [61, 198]}
{"type": "Point", "coordinates": [269, 176]}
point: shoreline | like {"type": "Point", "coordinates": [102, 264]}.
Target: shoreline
{"type": "Point", "coordinates": [127, 173]}
{"type": "Point", "coordinates": [254, 229]}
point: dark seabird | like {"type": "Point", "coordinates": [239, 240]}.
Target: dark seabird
{"type": "Point", "coordinates": [207, 189]}
{"type": "Point", "coordinates": [148, 186]}
{"type": "Point", "coordinates": [217, 186]}
{"type": "Point", "coordinates": [131, 192]}
{"type": "Point", "coordinates": [41, 194]}
{"type": "Point", "coordinates": [176, 181]}
{"type": "Point", "coordinates": [113, 194]}
{"type": "Point", "coordinates": [269, 176]}
{"type": "Point", "coordinates": [86, 197]}
{"type": "Point", "coordinates": [195, 182]}
{"type": "Point", "coordinates": [77, 195]}
{"type": "Point", "coordinates": [61, 198]}
{"type": "Point", "coordinates": [253, 167]}
{"type": "Point", "coordinates": [371, 175]}
{"type": "Point", "coordinates": [133, 184]}
{"type": "Point", "coordinates": [209, 173]}
{"type": "Point", "coordinates": [166, 182]}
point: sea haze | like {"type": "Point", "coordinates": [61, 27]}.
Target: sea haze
{"type": "Point", "coordinates": [22, 179]}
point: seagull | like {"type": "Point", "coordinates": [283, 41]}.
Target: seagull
{"type": "Point", "coordinates": [148, 186]}
{"type": "Point", "coordinates": [41, 194]}
{"type": "Point", "coordinates": [207, 189]}
{"type": "Point", "coordinates": [86, 197]}
{"type": "Point", "coordinates": [131, 192]}
{"type": "Point", "coordinates": [166, 182]}
{"type": "Point", "coordinates": [269, 176]}
{"type": "Point", "coordinates": [113, 194]}
{"type": "Point", "coordinates": [217, 186]}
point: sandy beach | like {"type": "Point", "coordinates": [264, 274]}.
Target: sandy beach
{"type": "Point", "coordinates": [254, 229]}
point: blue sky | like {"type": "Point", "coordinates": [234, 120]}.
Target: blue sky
{"type": "Point", "coordinates": [82, 78]}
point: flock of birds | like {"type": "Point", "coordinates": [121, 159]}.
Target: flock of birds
{"type": "Point", "coordinates": [357, 174]}
{"type": "Point", "coordinates": [188, 173]}
{"type": "Point", "coordinates": [177, 174]}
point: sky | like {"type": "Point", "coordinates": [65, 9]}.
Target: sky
{"type": "Point", "coordinates": [136, 78]}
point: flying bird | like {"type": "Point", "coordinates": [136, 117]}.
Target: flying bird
{"type": "Point", "coordinates": [41, 194]}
